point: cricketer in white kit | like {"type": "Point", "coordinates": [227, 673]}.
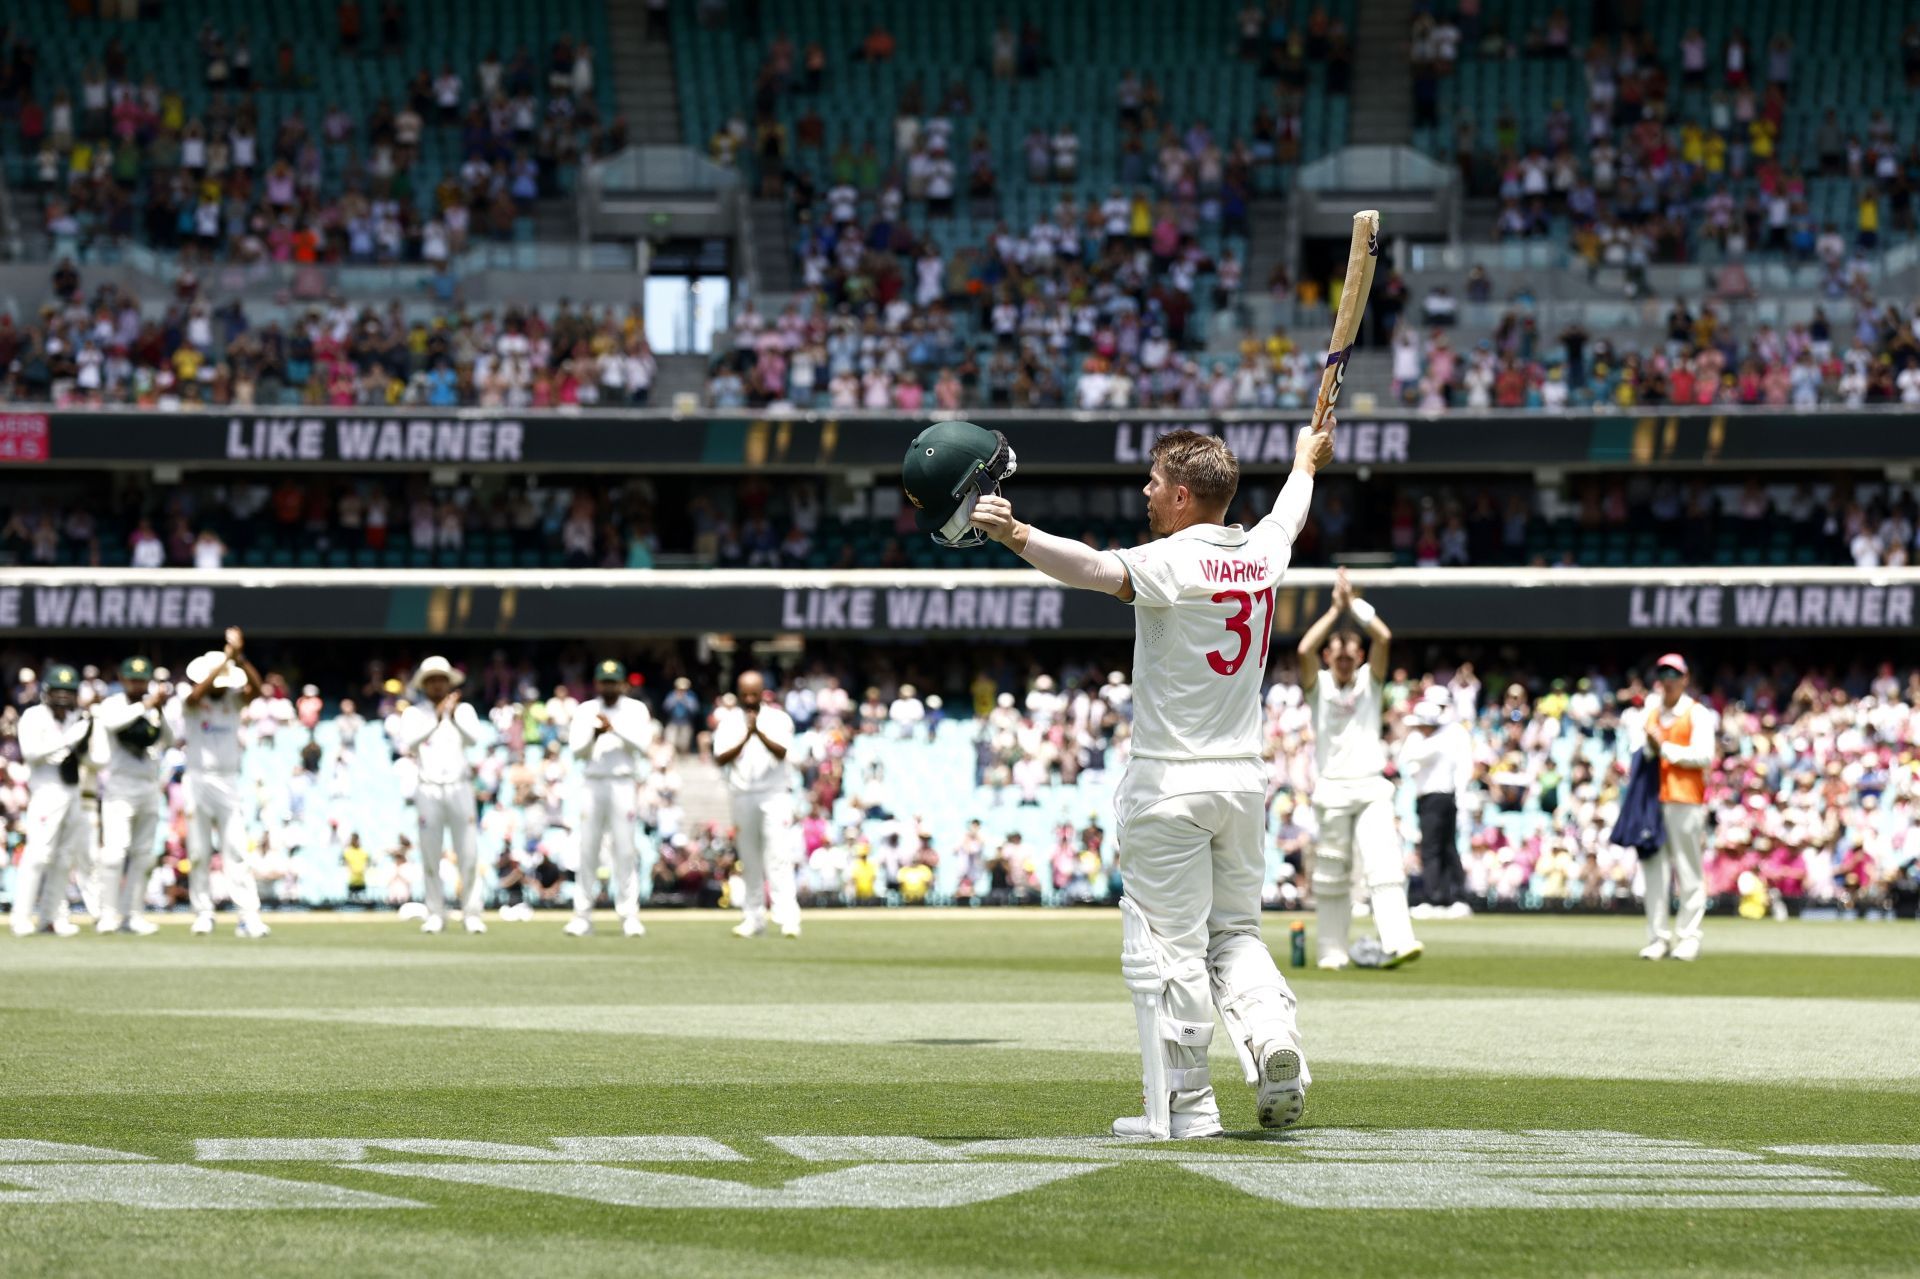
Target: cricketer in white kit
{"type": "Point", "coordinates": [53, 743]}
{"type": "Point", "coordinates": [1352, 798]}
{"type": "Point", "coordinates": [130, 738]}
{"type": "Point", "coordinates": [436, 734]}
{"type": "Point", "coordinates": [750, 743]}
{"type": "Point", "coordinates": [1191, 806]}
{"type": "Point", "coordinates": [219, 686]}
{"type": "Point", "coordinates": [609, 736]}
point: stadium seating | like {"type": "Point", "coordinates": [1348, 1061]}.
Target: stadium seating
{"type": "Point", "coordinates": [438, 32]}
{"type": "Point", "coordinates": [1829, 70]}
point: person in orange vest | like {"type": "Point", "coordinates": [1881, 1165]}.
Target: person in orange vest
{"type": "Point", "coordinates": [1683, 733]}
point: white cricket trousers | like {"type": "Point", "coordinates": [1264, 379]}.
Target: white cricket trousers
{"type": "Point", "coordinates": [129, 828]}
{"type": "Point", "coordinates": [56, 831]}
{"type": "Point", "coordinates": [1681, 861]}
{"type": "Point", "coordinates": [446, 812]}
{"type": "Point", "coordinates": [1357, 832]}
{"type": "Point", "coordinates": [608, 818]}
{"type": "Point", "coordinates": [214, 800]}
{"type": "Point", "coordinates": [1194, 865]}
{"type": "Point", "coordinates": [767, 843]}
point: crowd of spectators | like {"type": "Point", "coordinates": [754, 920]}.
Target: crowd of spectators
{"type": "Point", "coordinates": [1814, 792]}
{"type": "Point", "coordinates": [120, 157]}
{"type": "Point", "coordinates": [100, 348]}
{"type": "Point", "coordinates": [1871, 357]}
{"type": "Point", "coordinates": [1097, 302]}
{"type": "Point", "coordinates": [1673, 151]}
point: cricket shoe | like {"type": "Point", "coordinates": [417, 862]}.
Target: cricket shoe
{"type": "Point", "coordinates": [252, 929]}
{"type": "Point", "coordinates": [633, 928]}
{"type": "Point", "coordinates": [140, 926]}
{"type": "Point", "coordinates": [1282, 1096]}
{"type": "Point", "coordinates": [434, 924]}
{"type": "Point", "coordinates": [475, 924]}
{"type": "Point", "coordinates": [1459, 910]}
{"type": "Point", "coordinates": [1687, 949]}
{"type": "Point", "coordinates": [790, 930]}
{"type": "Point", "coordinates": [1334, 961]}
{"type": "Point", "coordinates": [1655, 949]}
{"type": "Point", "coordinates": [109, 924]}
{"type": "Point", "coordinates": [1424, 910]}
{"type": "Point", "coordinates": [62, 928]}
{"type": "Point", "coordinates": [24, 930]}
{"type": "Point", "coordinates": [1401, 958]}
{"type": "Point", "coordinates": [578, 927]}
{"type": "Point", "coordinates": [748, 930]}
{"type": "Point", "coordinates": [203, 924]}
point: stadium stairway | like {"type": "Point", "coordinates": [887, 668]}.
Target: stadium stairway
{"type": "Point", "coordinates": [645, 86]}
{"type": "Point", "coordinates": [1382, 116]}
{"type": "Point", "coordinates": [1268, 243]}
{"type": "Point", "coordinates": [678, 375]}
{"type": "Point", "coordinates": [773, 253]}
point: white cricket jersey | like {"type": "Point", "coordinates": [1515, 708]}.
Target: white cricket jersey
{"type": "Point", "coordinates": [612, 754]}
{"type": "Point", "coordinates": [439, 746]}
{"type": "Point", "coordinates": [1438, 763]}
{"type": "Point", "coordinates": [1202, 634]}
{"type": "Point", "coordinates": [1346, 728]}
{"type": "Point", "coordinates": [127, 771]}
{"type": "Point", "coordinates": [46, 742]}
{"type": "Point", "coordinates": [754, 771]}
{"type": "Point", "coordinates": [210, 733]}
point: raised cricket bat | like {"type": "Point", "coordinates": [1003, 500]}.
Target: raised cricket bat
{"type": "Point", "coordinates": [1362, 256]}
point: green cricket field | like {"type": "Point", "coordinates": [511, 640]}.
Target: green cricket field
{"type": "Point", "coordinates": [926, 1093]}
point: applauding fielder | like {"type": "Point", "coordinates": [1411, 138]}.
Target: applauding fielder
{"type": "Point", "coordinates": [609, 737]}
{"type": "Point", "coordinates": [53, 742]}
{"type": "Point", "coordinates": [219, 686]}
{"type": "Point", "coordinates": [130, 734]}
{"type": "Point", "coordinates": [750, 742]}
{"type": "Point", "coordinates": [436, 732]}
{"type": "Point", "coordinates": [1352, 798]}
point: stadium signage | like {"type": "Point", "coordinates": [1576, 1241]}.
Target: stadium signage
{"type": "Point", "coordinates": [1770, 608]}
{"type": "Point", "coordinates": [1061, 442]}
{"type": "Point", "coordinates": [1359, 443]}
{"type": "Point", "coordinates": [988, 603]}
{"type": "Point", "coordinates": [964, 608]}
{"type": "Point", "coordinates": [311, 439]}
{"type": "Point", "coordinates": [107, 608]}
{"type": "Point", "coordinates": [1379, 1169]}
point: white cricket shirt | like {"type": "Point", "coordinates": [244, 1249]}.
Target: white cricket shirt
{"type": "Point", "coordinates": [613, 754]}
{"type": "Point", "coordinates": [128, 772]}
{"type": "Point", "coordinates": [1346, 728]}
{"type": "Point", "coordinates": [210, 733]}
{"type": "Point", "coordinates": [754, 770]}
{"type": "Point", "coordinates": [46, 742]}
{"type": "Point", "coordinates": [439, 746]}
{"type": "Point", "coordinates": [1202, 636]}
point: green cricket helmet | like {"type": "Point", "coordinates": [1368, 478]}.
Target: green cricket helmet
{"type": "Point", "coordinates": [947, 467]}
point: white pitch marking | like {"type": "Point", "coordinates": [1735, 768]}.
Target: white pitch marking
{"type": "Point", "coordinates": [876, 1186]}
{"type": "Point", "coordinates": [341, 1150]}
{"type": "Point", "coordinates": [827, 1150]}
{"type": "Point", "coordinates": [646, 1150]}
{"type": "Point", "coordinates": [1895, 1151]}
{"type": "Point", "coordinates": [175, 1186]}
{"type": "Point", "coordinates": [24, 1151]}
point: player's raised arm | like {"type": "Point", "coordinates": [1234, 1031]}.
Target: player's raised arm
{"type": "Point", "coordinates": [1066, 561]}
{"type": "Point", "coordinates": [1380, 646]}
{"type": "Point", "coordinates": [1313, 450]}
{"type": "Point", "coordinates": [1316, 637]}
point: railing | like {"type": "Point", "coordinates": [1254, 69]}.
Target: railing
{"type": "Point", "coordinates": [1376, 169]}
{"type": "Point", "coordinates": [641, 170]}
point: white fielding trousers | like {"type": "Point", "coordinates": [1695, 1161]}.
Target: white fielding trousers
{"type": "Point", "coordinates": [1357, 832]}
{"type": "Point", "coordinates": [768, 844]}
{"type": "Point", "coordinates": [608, 818]}
{"type": "Point", "coordinates": [1681, 861]}
{"type": "Point", "coordinates": [446, 812]}
{"type": "Point", "coordinates": [56, 831]}
{"type": "Point", "coordinates": [216, 806]}
{"type": "Point", "coordinates": [129, 831]}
